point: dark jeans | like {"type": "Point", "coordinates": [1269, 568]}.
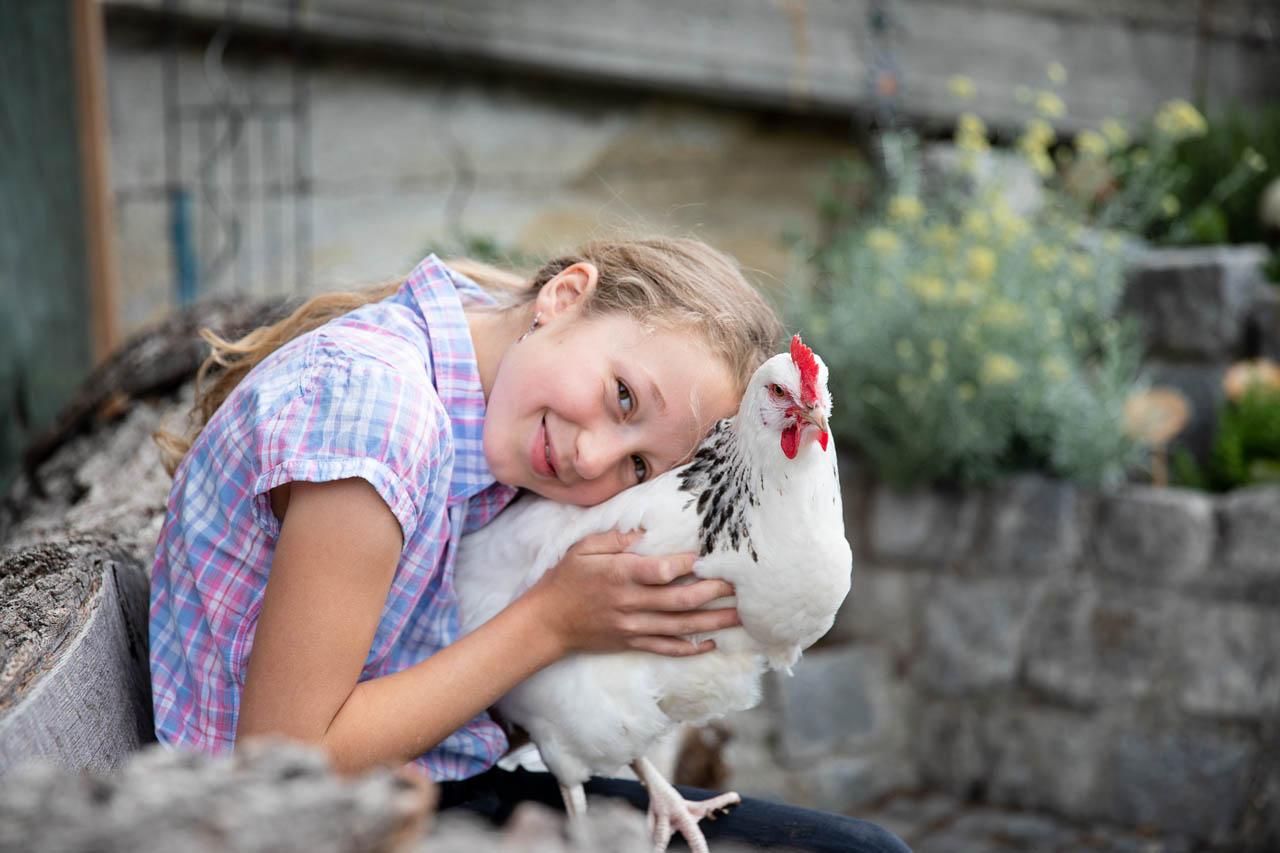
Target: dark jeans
{"type": "Point", "coordinates": [758, 823]}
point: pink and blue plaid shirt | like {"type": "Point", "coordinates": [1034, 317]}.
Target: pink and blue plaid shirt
{"type": "Point", "coordinates": [390, 393]}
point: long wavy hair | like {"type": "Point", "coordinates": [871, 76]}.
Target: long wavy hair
{"type": "Point", "coordinates": [673, 282]}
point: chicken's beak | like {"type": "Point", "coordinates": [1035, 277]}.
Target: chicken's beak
{"type": "Point", "coordinates": [815, 416]}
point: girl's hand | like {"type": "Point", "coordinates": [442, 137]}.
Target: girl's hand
{"type": "Point", "coordinates": [601, 598]}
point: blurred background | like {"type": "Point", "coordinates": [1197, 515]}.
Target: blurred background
{"type": "Point", "coordinates": [1035, 240]}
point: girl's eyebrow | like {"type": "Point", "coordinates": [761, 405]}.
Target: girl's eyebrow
{"type": "Point", "coordinates": [654, 392]}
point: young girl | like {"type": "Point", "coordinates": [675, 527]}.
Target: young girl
{"type": "Point", "coordinates": [303, 584]}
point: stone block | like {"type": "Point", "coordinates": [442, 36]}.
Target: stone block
{"type": "Point", "coordinates": [1042, 757]}
{"type": "Point", "coordinates": [973, 633]}
{"type": "Point", "coordinates": [1149, 534]}
{"type": "Point", "coordinates": [1262, 326]}
{"type": "Point", "coordinates": [843, 784]}
{"type": "Point", "coordinates": [1192, 303]}
{"type": "Point", "coordinates": [925, 526]}
{"type": "Point", "coordinates": [1089, 643]}
{"type": "Point", "coordinates": [1250, 545]}
{"type": "Point", "coordinates": [884, 608]}
{"type": "Point", "coordinates": [1201, 384]}
{"type": "Point", "coordinates": [948, 747]}
{"type": "Point", "coordinates": [1231, 659]}
{"type": "Point", "coordinates": [837, 701]}
{"type": "Point", "coordinates": [1189, 781]}
{"type": "Point", "coordinates": [1036, 526]}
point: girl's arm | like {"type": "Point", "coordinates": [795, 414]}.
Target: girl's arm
{"type": "Point", "coordinates": [337, 552]}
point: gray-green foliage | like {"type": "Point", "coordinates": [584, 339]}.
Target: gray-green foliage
{"type": "Point", "coordinates": [966, 341]}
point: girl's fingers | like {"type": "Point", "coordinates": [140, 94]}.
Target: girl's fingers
{"type": "Point", "coordinates": [671, 646]}
{"type": "Point", "coordinates": [609, 542]}
{"type": "Point", "coordinates": [658, 571]}
{"type": "Point", "coordinates": [674, 599]}
{"type": "Point", "coordinates": [672, 625]}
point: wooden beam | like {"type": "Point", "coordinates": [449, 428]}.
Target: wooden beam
{"type": "Point", "coordinates": [90, 73]}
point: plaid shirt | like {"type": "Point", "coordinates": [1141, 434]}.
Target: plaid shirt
{"type": "Point", "coordinates": [390, 393]}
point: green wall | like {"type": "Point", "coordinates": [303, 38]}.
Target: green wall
{"type": "Point", "coordinates": [44, 306]}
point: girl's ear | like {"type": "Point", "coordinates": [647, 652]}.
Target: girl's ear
{"type": "Point", "coordinates": [567, 290]}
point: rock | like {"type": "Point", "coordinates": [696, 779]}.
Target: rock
{"type": "Point", "coordinates": [837, 701]}
{"type": "Point", "coordinates": [1152, 534]}
{"type": "Point", "coordinates": [884, 607]}
{"type": "Point", "coordinates": [973, 633]}
{"type": "Point", "coordinates": [1043, 758]}
{"type": "Point", "coordinates": [1091, 643]}
{"type": "Point", "coordinates": [1250, 548]}
{"type": "Point", "coordinates": [1192, 303]}
{"type": "Point", "coordinates": [1036, 527]}
{"type": "Point", "coordinates": [1262, 326]}
{"type": "Point", "coordinates": [74, 680]}
{"type": "Point", "coordinates": [923, 527]}
{"type": "Point", "coordinates": [1231, 660]}
{"type": "Point", "coordinates": [1201, 384]}
{"type": "Point", "coordinates": [1190, 780]}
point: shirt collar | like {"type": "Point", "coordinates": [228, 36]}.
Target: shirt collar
{"type": "Point", "coordinates": [438, 294]}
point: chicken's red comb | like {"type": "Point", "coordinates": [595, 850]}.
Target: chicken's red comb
{"type": "Point", "coordinates": [808, 365]}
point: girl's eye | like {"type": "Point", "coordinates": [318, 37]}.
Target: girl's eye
{"type": "Point", "coordinates": [778, 390]}
{"type": "Point", "coordinates": [625, 399]}
{"type": "Point", "coordinates": [642, 470]}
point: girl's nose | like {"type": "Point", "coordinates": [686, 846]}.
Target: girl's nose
{"type": "Point", "coordinates": [595, 452]}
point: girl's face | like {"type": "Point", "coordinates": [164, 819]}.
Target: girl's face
{"type": "Point", "coordinates": [582, 408]}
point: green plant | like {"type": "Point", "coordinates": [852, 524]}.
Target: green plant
{"type": "Point", "coordinates": [1246, 446]}
{"type": "Point", "coordinates": [965, 340]}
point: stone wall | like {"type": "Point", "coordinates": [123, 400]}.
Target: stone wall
{"type": "Point", "coordinates": [1102, 656]}
{"type": "Point", "coordinates": [1202, 308]}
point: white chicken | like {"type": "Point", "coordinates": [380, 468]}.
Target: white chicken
{"type": "Point", "coordinates": [760, 503]}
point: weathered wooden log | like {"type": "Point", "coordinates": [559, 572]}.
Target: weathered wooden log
{"type": "Point", "coordinates": [276, 797]}
{"type": "Point", "coordinates": [74, 682]}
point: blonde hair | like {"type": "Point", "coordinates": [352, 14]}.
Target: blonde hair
{"type": "Point", "coordinates": [669, 281]}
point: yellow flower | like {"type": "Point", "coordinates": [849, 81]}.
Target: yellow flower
{"type": "Point", "coordinates": [961, 86]}
{"type": "Point", "coordinates": [1041, 162]}
{"type": "Point", "coordinates": [1116, 135]}
{"type": "Point", "coordinates": [938, 348]}
{"type": "Point", "coordinates": [941, 235]}
{"type": "Point", "coordinates": [1082, 266]}
{"type": "Point", "coordinates": [1170, 205]}
{"type": "Point", "coordinates": [971, 133]}
{"type": "Point", "coordinates": [1038, 132]}
{"type": "Point", "coordinates": [904, 349]}
{"type": "Point", "coordinates": [1178, 119]}
{"type": "Point", "coordinates": [1001, 314]}
{"type": "Point", "coordinates": [981, 263]}
{"type": "Point", "coordinates": [1045, 258]}
{"type": "Point", "coordinates": [999, 369]}
{"type": "Point", "coordinates": [977, 223]}
{"type": "Point", "coordinates": [929, 288]}
{"type": "Point", "coordinates": [1090, 143]}
{"type": "Point", "coordinates": [1055, 368]}
{"type": "Point", "coordinates": [1057, 73]}
{"type": "Point", "coordinates": [906, 208]}
{"type": "Point", "coordinates": [1050, 105]}
{"type": "Point", "coordinates": [966, 292]}
{"type": "Point", "coordinates": [1010, 225]}
{"type": "Point", "coordinates": [883, 242]}
{"type": "Point", "coordinates": [1254, 160]}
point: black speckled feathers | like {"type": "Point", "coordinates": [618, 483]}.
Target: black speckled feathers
{"type": "Point", "coordinates": [719, 480]}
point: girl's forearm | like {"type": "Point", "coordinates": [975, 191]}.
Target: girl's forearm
{"type": "Point", "coordinates": [395, 718]}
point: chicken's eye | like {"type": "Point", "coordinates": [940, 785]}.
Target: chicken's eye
{"type": "Point", "coordinates": [778, 391]}
{"type": "Point", "coordinates": [642, 470]}
{"type": "Point", "coordinates": [624, 398]}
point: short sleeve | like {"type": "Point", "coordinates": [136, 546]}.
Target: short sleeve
{"type": "Point", "coordinates": [355, 417]}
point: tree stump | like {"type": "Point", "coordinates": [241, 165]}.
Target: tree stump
{"type": "Point", "coordinates": [74, 679]}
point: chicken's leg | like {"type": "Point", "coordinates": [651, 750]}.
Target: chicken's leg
{"type": "Point", "coordinates": [575, 806]}
{"type": "Point", "coordinates": [668, 811]}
